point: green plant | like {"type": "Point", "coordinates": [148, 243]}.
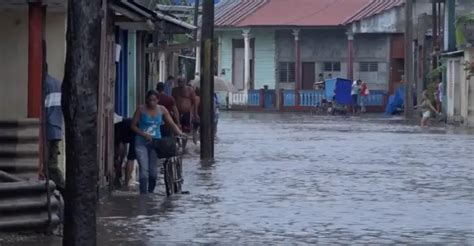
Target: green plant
{"type": "Point", "coordinates": [435, 73]}
{"type": "Point", "coordinates": [461, 22]}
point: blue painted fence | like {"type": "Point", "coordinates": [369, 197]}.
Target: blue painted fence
{"type": "Point", "coordinates": [289, 98]}
{"type": "Point", "coordinates": [254, 98]}
{"type": "Point", "coordinates": [375, 98]}
{"type": "Point", "coordinates": [311, 98]}
{"type": "Point", "coordinates": [269, 99]}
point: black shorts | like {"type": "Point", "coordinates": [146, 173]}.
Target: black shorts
{"type": "Point", "coordinates": [131, 155]}
{"type": "Point", "coordinates": [355, 98]}
{"type": "Point", "coordinates": [185, 119]}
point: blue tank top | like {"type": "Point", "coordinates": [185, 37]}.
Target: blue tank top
{"type": "Point", "coordinates": [150, 125]}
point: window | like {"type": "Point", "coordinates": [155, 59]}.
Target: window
{"type": "Point", "coordinates": [332, 66]}
{"type": "Point", "coordinates": [368, 67]}
{"type": "Point", "coordinates": [286, 72]}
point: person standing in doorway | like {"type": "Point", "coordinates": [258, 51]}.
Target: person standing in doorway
{"type": "Point", "coordinates": [168, 86]}
{"type": "Point", "coordinates": [54, 120]}
{"type": "Point", "coordinates": [124, 136]}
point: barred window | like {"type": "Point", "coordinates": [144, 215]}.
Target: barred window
{"type": "Point", "coordinates": [332, 66]}
{"type": "Point", "coordinates": [368, 67]}
{"type": "Point", "coordinates": [286, 72]}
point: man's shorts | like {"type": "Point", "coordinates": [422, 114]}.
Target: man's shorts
{"type": "Point", "coordinates": [132, 155]}
{"type": "Point", "coordinates": [185, 119]}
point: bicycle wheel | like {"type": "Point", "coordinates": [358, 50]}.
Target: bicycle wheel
{"type": "Point", "coordinates": [166, 177]}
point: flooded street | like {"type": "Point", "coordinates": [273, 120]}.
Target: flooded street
{"type": "Point", "coordinates": [309, 179]}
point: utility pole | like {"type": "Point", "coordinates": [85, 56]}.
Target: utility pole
{"type": "Point", "coordinates": [79, 103]}
{"type": "Point", "coordinates": [207, 80]}
{"type": "Point", "coordinates": [409, 78]}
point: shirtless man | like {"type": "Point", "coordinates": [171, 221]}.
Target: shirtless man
{"type": "Point", "coordinates": [186, 102]}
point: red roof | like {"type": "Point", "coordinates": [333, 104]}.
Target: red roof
{"type": "Point", "coordinates": [230, 13]}
{"type": "Point", "coordinates": [375, 7]}
{"type": "Point", "coordinates": [247, 13]}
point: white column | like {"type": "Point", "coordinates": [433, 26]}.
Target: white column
{"type": "Point", "coordinates": [246, 34]}
{"type": "Point", "coordinates": [162, 66]}
{"type": "Point", "coordinates": [197, 74]}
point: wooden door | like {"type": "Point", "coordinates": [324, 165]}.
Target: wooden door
{"type": "Point", "coordinates": [238, 71]}
{"type": "Point", "coordinates": [308, 78]}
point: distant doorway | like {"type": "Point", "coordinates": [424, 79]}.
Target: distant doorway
{"type": "Point", "coordinates": [308, 75]}
{"type": "Point", "coordinates": [238, 63]}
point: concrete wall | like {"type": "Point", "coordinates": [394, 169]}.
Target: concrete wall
{"type": "Point", "coordinates": [391, 21]}
{"type": "Point", "coordinates": [264, 73]}
{"type": "Point", "coordinates": [467, 98]}
{"type": "Point", "coordinates": [321, 46]}
{"type": "Point", "coordinates": [14, 58]}
{"type": "Point", "coordinates": [373, 48]}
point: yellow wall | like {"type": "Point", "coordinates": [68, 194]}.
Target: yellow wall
{"type": "Point", "coordinates": [14, 58]}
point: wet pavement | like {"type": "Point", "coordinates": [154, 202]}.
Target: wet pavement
{"type": "Point", "coordinates": [301, 179]}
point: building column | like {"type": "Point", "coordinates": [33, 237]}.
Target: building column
{"type": "Point", "coordinates": [296, 34]}
{"type": "Point", "coordinates": [350, 55]}
{"type": "Point", "coordinates": [35, 58]}
{"type": "Point", "coordinates": [132, 72]}
{"type": "Point", "coordinates": [246, 34]}
{"type": "Point", "coordinates": [162, 66]}
{"type": "Point", "coordinates": [197, 73]}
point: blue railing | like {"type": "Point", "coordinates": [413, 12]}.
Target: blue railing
{"type": "Point", "coordinates": [254, 98]}
{"type": "Point", "coordinates": [269, 99]}
{"type": "Point", "coordinates": [289, 98]}
{"type": "Point", "coordinates": [311, 98]}
{"type": "Point", "coordinates": [376, 98]}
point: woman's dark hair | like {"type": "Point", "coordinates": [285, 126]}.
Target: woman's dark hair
{"type": "Point", "coordinates": [151, 93]}
{"type": "Point", "coordinates": [197, 91]}
{"type": "Point", "coordinates": [160, 87]}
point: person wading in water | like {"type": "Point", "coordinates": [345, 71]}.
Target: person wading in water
{"type": "Point", "coordinates": [146, 124]}
{"type": "Point", "coordinates": [186, 102]}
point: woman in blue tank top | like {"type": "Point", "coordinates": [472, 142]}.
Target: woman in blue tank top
{"type": "Point", "coordinates": [146, 123]}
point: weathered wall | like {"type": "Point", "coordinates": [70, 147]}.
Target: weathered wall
{"type": "Point", "coordinates": [14, 58]}
{"type": "Point", "coordinates": [373, 48]}
{"type": "Point", "coordinates": [264, 55]}
{"type": "Point", "coordinates": [391, 21]}
{"type": "Point", "coordinates": [225, 52]}
{"type": "Point", "coordinates": [467, 99]}
{"type": "Point", "coordinates": [321, 46]}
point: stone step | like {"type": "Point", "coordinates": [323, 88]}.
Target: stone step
{"type": "Point", "coordinates": [19, 123]}
{"type": "Point", "coordinates": [27, 221]}
{"type": "Point", "coordinates": [19, 136]}
{"type": "Point", "coordinates": [20, 165]}
{"type": "Point", "coordinates": [31, 202]}
{"type": "Point", "coordinates": [19, 151]}
{"type": "Point", "coordinates": [28, 176]}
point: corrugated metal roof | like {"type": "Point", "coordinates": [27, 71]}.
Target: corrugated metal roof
{"type": "Point", "coordinates": [247, 13]}
{"type": "Point", "coordinates": [374, 8]}
{"type": "Point", "coordinates": [230, 13]}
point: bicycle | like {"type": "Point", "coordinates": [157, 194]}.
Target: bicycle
{"type": "Point", "coordinates": [173, 175]}
{"type": "Point", "coordinates": [173, 170]}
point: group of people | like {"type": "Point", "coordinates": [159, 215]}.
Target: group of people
{"type": "Point", "coordinates": [359, 92]}
{"type": "Point", "coordinates": [167, 112]}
